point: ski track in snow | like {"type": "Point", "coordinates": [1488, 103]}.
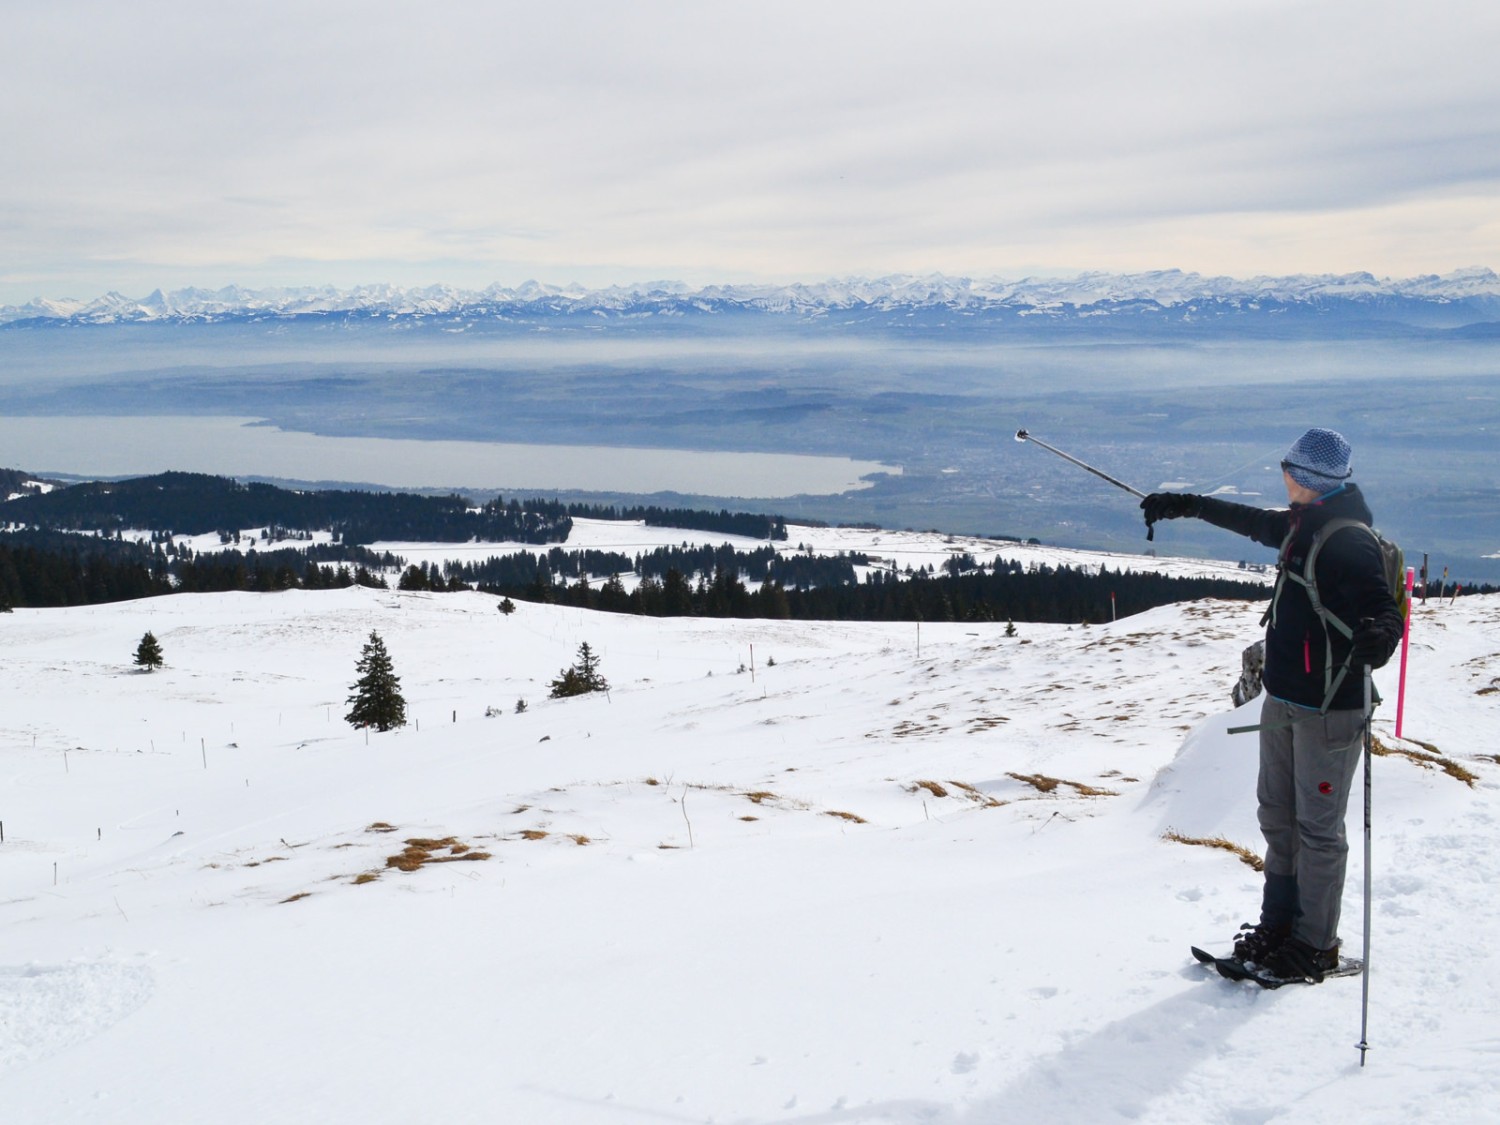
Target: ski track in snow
{"type": "Point", "coordinates": [867, 885]}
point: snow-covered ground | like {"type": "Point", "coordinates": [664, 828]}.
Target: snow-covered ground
{"type": "Point", "coordinates": [782, 872]}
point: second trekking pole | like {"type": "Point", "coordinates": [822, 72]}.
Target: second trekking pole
{"type": "Point", "coordinates": [1364, 1001]}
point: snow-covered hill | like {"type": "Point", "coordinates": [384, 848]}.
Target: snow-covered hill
{"type": "Point", "coordinates": [782, 872]}
{"type": "Point", "coordinates": [1476, 290]}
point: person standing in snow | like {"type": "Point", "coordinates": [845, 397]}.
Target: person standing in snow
{"type": "Point", "coordinates": [1309, 741]}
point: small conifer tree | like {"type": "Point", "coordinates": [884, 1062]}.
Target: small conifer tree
{"type": "Point", "coordinates": [582, 678]}
{"type": "Point", "coordinates": [377, 700]}
{"type": "Point", "coordinates": [148, 653]}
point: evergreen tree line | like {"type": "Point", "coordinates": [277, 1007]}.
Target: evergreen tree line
{"type": "Point", "coordinates": [763, 564]}
{"type": "Point", "coordinates": [37, 576]}
{"type": "Point", "coordinates": [47, 568]}
{"type": "Point", "coordinates": [723, 521]}
{"type": "Point", "coordinates": [196, 504]}
{"type": "Point", "coordinates": [524, 567]}
{"type": "Point", "coordinates": [40, 569]}
{"type": "Point", "coordinates": [1038, 593]}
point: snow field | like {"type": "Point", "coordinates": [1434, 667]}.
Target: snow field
{"type": "Point", "coordinates": [681, 917]}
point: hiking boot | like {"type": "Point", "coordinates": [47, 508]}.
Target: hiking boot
{"type": "Point", "coordinates": [1255, 943]}
{"type": "Point", "coordinates": [1294, 959]}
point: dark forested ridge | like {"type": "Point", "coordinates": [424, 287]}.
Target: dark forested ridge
{"type": "Point", "coordinates": [196, 503]}
{"type": "Point", "coordinates": [41, 569]}
{"type": "Point", "coordinates": [45, 561]}
{"type": "Point", "coordinates": [13, 482]}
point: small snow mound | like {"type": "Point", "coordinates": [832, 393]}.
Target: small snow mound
{"type": "Point", "coordinates": [45, 1009]}
{"type": "Point", "coordinates": [1208, 789]}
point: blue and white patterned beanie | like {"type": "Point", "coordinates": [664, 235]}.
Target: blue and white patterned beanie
{"type": "Point", "coordinates": [1318, 460]}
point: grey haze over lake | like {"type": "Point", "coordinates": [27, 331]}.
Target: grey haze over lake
{"type": "Point", "coordinates": [1205, 392]}
{"type": "Point", "coordinates": [243, 447]}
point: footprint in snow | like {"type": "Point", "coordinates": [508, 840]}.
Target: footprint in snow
{"type": "Point", "coordinates": [965, 1063]}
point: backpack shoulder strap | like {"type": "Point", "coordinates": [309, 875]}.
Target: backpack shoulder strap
{"type": "Point", "coordinates": [1281, 574]}
{"type": "Point", "coordinates": [1309, 574]}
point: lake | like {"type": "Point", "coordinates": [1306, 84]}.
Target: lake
{"type": "Point", "coordinates": [242, 447]}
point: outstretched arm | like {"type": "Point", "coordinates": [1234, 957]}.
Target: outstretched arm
{"type": "Point", "coordinates": [1260, 524]}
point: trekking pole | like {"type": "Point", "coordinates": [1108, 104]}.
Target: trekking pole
{"type": "Point", "coordinates": [1364, 1001]}
{"type": "Point", "coordinates": [1022, 435]}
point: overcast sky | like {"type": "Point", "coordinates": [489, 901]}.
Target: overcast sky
{"type": "Point", "coordinates": [328, 142]}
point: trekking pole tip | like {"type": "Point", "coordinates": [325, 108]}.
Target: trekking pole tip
{"type": "Point", "coordinates": [1022, 435]}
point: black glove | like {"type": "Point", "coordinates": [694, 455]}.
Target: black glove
{"type": "Point", "coordinates": [1170, 505]}
{"type": "Point", "coordinates": [1369, 645]}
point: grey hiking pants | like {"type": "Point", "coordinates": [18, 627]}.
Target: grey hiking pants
{"type": "Point", "coordinates": [1306, 771]}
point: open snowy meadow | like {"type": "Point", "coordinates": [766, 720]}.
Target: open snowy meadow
{"type": "Point", "coordinates": [781, 872]}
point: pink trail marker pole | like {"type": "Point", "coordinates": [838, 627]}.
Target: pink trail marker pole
{"type": "Point", "coordinates": [1411, 577]}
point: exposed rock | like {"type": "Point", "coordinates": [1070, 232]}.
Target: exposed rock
{"type": "Point", "coordinates": [1248, 687]}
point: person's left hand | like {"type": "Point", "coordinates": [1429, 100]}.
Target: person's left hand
{"type": "Point", "coordinates": [1369, 645]}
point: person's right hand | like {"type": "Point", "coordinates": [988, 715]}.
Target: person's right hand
{"type": "Point", "coordinates": [1170, 506]}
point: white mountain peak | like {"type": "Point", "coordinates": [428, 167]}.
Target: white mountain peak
{"type": "Point", "coordinates": [1099, 291]}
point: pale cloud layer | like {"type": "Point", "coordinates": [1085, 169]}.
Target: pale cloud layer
{"type": "Point", "coordinates": [168, 144]}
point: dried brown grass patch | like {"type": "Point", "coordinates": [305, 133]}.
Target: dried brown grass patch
{"type": "Point", "coordinates": [409, 860]}
{"type": "Point", "coordinates": [853, 818]}
{"type": "Point", "coordinates": [421, 851]}
{"type": "Point", "coordinates": [974, 793]}
{"type": "Point", "coordinates": [365, 877]}
{"type": "Point", "coordinates": [1430, 759]}
{"type": "Point", "coordinates": [1038, 781]}
{"type": "Point", "coordinates": [533, 834]}
{"type": "Point", "coordinates": [296, 897]}
{"type": "Point", "coordinates": [1044, 784]}
{"type": "Point", "coordinates": [1245, 855]}
{"type": "Point", "coordinates": [986, 722]}
{"type": "Point", "coordinates": [933, 787]}
{"type": "Point", "coordinates": [381, 826]}
{"type": "Point", "coordinates": [910, 727]}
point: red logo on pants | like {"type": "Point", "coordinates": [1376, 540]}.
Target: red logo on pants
{"type": "Point", "coordinates": [1325, 787]}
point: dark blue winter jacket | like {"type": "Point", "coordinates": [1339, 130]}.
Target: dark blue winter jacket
{"type": "Point", "coordinates": [1351, 582]}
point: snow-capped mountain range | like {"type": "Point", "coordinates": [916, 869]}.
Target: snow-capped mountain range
{"type": "Point", "coordinates": [1472, 294]}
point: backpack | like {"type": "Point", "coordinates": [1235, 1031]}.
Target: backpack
{"type": "Point", "coordinates": [1393, 565]}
